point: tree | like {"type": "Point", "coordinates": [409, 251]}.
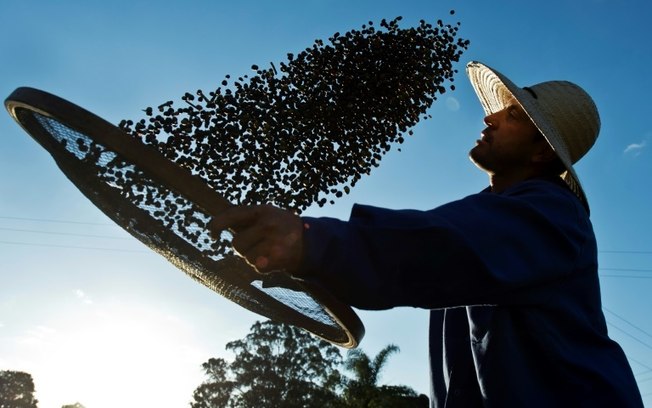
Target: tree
{"type": "Point", "coordinates": [397, 396]}
{"type": "Point", "coordinates": [75, 405]}
{"type": "Point", "coordinates": [275, 365]}
{"type": "Point", "coordinates": [216, 392]}
{"type": "Point", "coordinates": [280, 366]}
{"type": "Point", "coordinates": [16, 390]}
{"type": "Point", "coordinates": [363, 390]}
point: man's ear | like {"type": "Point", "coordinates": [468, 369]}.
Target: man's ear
{"type": "Point", "coordinates": [543, 153]}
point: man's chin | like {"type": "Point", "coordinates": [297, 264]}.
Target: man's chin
{"type": "Point", "coordinates": [476, 159]}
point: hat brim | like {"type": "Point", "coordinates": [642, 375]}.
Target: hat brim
{"type": "Point", "coordinates": [495, 91]}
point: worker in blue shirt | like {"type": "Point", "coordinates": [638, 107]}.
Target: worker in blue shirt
{"type": "Point", "coordinates": [510, 274]}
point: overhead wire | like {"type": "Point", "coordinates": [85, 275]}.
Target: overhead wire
{"type": "Point", "coordinates": [624, 252]}
{"type": "Point", "coordinates": [627, 322]}
{"type": "Point", "coordinates": [71, 247]}
{"type": "Point", "coordinates": [61, 233]}
{"type": "Point", "coordinates": [106, 224]}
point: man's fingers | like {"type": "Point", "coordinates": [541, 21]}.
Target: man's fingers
{"type": "Point", "coordinates": [268, 237]}
{"type": "Point", "coordinates": [266, 258]}
{"type": "Point", "coordinates": [248, 238]}
{"type": "Point", "coordinates": [233, 218]}
{"type": "Point", "coordinates": [265, 246]}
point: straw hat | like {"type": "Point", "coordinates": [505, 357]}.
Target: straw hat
{"type": "Point", "coordinates": [564, 113]}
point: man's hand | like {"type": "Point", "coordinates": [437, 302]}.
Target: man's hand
{"type": "Point", "coordinates": [269, 238]}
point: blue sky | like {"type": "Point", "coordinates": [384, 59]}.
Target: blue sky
{"type": "Point", "coordinates": [97, 318]}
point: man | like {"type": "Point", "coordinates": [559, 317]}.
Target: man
{"type": "Point", "coordinates": [509, 274]}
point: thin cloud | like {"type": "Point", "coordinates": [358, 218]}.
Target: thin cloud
{"type": "Point", "coordinates": [635, 148]}
{"type": "Point", "coordinates": [83, 297]}
{"type": "Point", "coordinates": [37, 336]}
{"type": "Point", "coordinates": [452, 103]}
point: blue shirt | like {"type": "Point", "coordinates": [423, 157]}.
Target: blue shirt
{"type": "Point", "coordinates": [511, 280]}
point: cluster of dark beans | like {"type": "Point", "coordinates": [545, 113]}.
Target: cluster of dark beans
{"type": "Point", "coordinates": [306, 132]}
{"type": "Point", "coordinates": [169, 210]}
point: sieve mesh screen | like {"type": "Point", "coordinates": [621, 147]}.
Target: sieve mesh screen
{"type": "Point", "coordinates": [162, 219]}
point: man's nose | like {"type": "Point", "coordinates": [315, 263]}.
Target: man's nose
{"type": "Point", "coordinates": [490, 120]}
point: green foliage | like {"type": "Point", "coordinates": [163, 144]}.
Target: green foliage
{"type": "Point", "coordinates": [16, 390]}
{"type": "Point", "coordinates": [363, 389]}
{"type": "Point", "coordinates": [216, 392]}
{"type": "Point", "coordinates": [277, 365]}
{"type": "Point", "coordinates": [396, 396]}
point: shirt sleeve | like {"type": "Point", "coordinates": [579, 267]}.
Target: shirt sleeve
{"type": "Point", "coordinates": [484, 249]}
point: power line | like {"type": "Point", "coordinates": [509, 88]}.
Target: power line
{"type": "Point", "coordinates": [624, 252]}
{"type": "Point", "coordinates": [647, 371]}
{"type": "Point", "coordinates": [626, 269]}
{"type": "Point", "coordinates": [60, 233]}
{"type": "Point", "coordinates": [647, 368]}
{"type": "Point", "coordinates": [71, 247]}
{"type": "Point", "coordinates": [633, 337]}
{"type": "Point", "coordinates": [645, 273]}
{"type": "Point", "coordinates": [628, 322]}
{"type": "Point", "coordinates": [57, 221]}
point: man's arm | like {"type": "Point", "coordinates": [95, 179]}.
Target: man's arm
{"type": "Point", "coordinates": [485, 249]}
{"type": "Point", "coordinates": [511, 248]}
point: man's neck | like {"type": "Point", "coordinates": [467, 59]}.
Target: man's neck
{"type": "Point", "coordinates": [500, 183]}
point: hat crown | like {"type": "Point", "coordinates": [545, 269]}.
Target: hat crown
{"type": "Point", "coordinates": [571, 114]}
